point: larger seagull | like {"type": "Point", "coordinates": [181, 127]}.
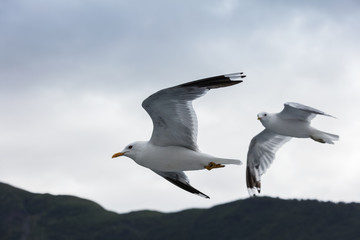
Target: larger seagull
{"type": "Point", "coordinates": [172, 148]}
{"type": "Point", "coordinates": [293, 121]}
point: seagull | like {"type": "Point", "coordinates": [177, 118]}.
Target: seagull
{"type": "Point", "coordinates": [172, 148]}
{"type": "Point", "coordinates": [293, 121]}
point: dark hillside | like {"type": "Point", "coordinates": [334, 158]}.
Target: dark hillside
{"type": "Point", "coordinates": [25, 215]}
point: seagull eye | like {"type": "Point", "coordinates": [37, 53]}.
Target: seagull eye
{"type": "Point", "coordinates": [265, 114]}
{"type": "Point", "coordinates": [130, 147]}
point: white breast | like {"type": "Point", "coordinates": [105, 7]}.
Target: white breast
{"type": "Point", "coordinates": [172, 158]}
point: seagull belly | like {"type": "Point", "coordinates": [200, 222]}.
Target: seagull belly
{"type": "Point", "coordinates": [172, 158]}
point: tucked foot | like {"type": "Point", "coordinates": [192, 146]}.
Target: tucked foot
{"type": "Point", "coordinates": [212, 165]}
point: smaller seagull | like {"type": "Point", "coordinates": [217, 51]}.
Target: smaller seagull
{"type": "Point", "coordinates": [293, 121]}
{"type": "Point", "coordinates": [172, 148]}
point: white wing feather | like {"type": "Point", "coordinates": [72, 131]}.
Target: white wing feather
{"type": "Point", "coordinates": [299, 111]}
{"type": "Point", "coordinates": [174, 119]}
{"type": "Point", "coordinates": [261, 154]}
{"type": "Point", "coordinates": [172, 113]}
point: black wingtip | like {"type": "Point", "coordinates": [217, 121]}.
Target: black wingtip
{"type": "Point", "coordinates": [216, 81]}
{"type": "Point", "coordinates": [187, 187]}
{"type": "Point", "coordinates": [203, 195]}
{"type": "Point", "coordinates": [234, 76]}
{"type": "Point", "coordinates": [251, 183]}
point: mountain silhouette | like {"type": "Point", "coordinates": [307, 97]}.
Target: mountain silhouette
{"type": "Point", "coordinates": [30, 216]}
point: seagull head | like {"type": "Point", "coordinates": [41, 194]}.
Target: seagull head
{"type": "Point", "coordinates": [130, 150]}
{"type": "Point", "coordinates": [262, 115]}
{"type": "Point", "coordinates": [264, 118]}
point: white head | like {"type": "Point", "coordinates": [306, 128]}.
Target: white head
{"type": "Point", "coordinates": [131, 150]}
{"type": "Point", "coordinates": [264, 118]}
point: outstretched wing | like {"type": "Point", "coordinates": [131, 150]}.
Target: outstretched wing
{"type": "Point", "coordinates": [180, 180]}
{"type": "Point", "coordinates": [172, 113]}
{"type": "Point", "coordinates": [300, 112]}
{"type": "Point", "coordinates": [261, 154]}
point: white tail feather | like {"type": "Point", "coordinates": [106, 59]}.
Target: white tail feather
{"type": "Point", "coordinates": [324, 137]}
{"type": "Point", "coordinates": [228, 161]}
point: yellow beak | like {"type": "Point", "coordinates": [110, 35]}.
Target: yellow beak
{"type": "Point", "coordinates": [259, 118]}
{"type": "Point", "coordinates": [117, 154]}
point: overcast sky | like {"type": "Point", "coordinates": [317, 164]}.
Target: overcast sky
{"type": "Point", "coordinates": [73, 74]}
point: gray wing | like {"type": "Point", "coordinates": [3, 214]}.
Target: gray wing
{"type": "Point", "coordinates": [300, 112]}
{"type": "Point", "coordinates": [180, 180]}
{"type": "Point", "coordinates": [172, 113]}
{"type": "Point", "coordinates": [261, 154]}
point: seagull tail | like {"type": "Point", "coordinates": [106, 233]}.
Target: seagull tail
{"type": "Point", "coordinates": [228, 161]}
{"type": "Point", "coordinates": [324, 137]}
